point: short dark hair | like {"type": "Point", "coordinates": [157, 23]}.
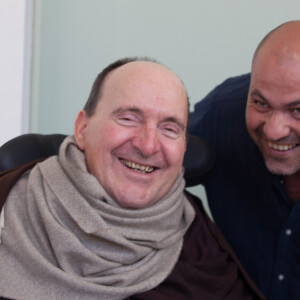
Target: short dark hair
{"type": "Point", "coordinates": [94, 96]}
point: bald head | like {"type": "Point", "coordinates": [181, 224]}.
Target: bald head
{"type": "Point", "coordinates": [139, 71]}
{"type": "Point", "coordinates": [96, 91]}
{"type": "Point", "coordinates": [282, 43]}
{"type": "Point", "coordinates": [144, 73]}
{"type": "Point", "coordinates": [277, 56]}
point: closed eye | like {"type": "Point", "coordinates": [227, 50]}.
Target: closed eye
{"type": "Point", "coordinates": [127, 119]}
{"type": "Point", "coordinates": [171, 131]}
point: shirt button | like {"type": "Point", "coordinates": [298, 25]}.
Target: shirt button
{"type": "Point", "coordinates": [288, 232]}
{"type": "Point", "coordinates": [280, 277]}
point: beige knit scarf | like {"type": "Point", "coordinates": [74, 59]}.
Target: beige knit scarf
{"type": "Point", "coordinates": [64, 237]}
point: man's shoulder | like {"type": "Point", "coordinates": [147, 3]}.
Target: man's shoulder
{"type": "Point", "coordinates": [232, 89]}
{"type": "Point", "coordinates": [222, 111]}
{"type": "Point", "coordinates": [229, 97]}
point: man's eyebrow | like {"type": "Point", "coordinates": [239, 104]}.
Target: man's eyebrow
{"type": "Point", "coordinates": [292, 104]}
{"type": "Point", "coordinates": [127, 109]}
{"type": "Point", "coordinates": [257, 93]}
{"type": "Point", "coordinates": [260, 95]}
{"type": "Point", "coordinates": [176, 121]}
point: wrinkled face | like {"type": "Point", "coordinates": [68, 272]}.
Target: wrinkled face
{"type": "Point", "coordinates": [134, 143]}
{"type": "Point", "coordinates": [273, 113]}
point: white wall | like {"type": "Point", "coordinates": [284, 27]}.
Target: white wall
{"type": "Point", "coordinates": [14, 68]}
{"type": "Point", "coordinates": [204, 42]}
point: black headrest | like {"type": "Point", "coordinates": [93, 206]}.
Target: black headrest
{"type": "Point", "coordinates": [198, 160]}
{"type": "Point", "coordinates": [29, 147]}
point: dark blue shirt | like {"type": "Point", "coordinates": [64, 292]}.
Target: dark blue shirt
{"type": "Point", "coordinates": [249, 204]}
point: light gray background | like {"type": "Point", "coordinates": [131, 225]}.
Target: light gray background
{"type": "Point", "coordinates": [204, 42]}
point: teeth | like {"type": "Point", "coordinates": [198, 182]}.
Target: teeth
{"type": "Point", "coordinates": [281, 147]}
{"type": "Point", "coordinates": [137, 167]}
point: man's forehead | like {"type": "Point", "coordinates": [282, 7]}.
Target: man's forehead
{"type": "Point", "coordinates": [143, 74]}
{"type": "Point", "coordinates": [138, 81]}
{"type": "Point", "coordinates": [142, 70]}
{"type": "Point", "coordinates": [283, 44]}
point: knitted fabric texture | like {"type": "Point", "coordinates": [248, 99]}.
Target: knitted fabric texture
{"type": "Point", "coordinates": [64, 237]}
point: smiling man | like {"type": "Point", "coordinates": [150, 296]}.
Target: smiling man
{"type": "Point", "coordinates": [273, 107]}
{"type": "Point", "coordinates": [108, 218]}
{"type": "Point", "coordinates": [135, 112]}
{"type": "Point", "coordinates": [254, 188]}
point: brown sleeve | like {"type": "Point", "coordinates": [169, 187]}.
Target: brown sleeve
{"type": "Point", "coordinates": [225, 246]}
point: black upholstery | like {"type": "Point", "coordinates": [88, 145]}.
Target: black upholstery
{"type": "Point", "coordinates": [28, 147]}
{"type": "Point", "coordinates": [198, 160]}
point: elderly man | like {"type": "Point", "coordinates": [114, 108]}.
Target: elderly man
{"type": "Point", "coordinates": [108, 217]}
{"type": "Point", "coordinates": [254, 187]}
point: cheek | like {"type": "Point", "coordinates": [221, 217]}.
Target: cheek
{"type": "Point", "coordinates": [175, 154]}
{"type": "Point", "coordinates": [253, 119]}
{"type": "Point", "coordinates": [114, 138]}
{"type": "Point", "coordinates": [99, 151]}
{"type": "Point", "coordinates": [98, 143]}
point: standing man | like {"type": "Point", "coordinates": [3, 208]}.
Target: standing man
{"type": "Point", "coordinates": [254, 188]}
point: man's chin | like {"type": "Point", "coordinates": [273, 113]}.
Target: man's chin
{"type": "Point", "coordinates": [281, 169]}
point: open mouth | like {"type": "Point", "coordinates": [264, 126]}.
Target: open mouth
{"type": "Point", "coordinates": [137, 167]}
{"type": "Point", "coordinates": [282, 147]}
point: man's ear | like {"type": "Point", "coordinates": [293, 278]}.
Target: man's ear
{"type": "Point", "coordinates": [80, 128]}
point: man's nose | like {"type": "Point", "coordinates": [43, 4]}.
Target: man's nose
{"type": "Point", "coordinates": [147, 141]}
{"type": "Point", "coordinates": [277, 126]}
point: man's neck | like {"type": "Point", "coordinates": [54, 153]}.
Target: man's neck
{"type": "Point", "coordinates": [292, 184]}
